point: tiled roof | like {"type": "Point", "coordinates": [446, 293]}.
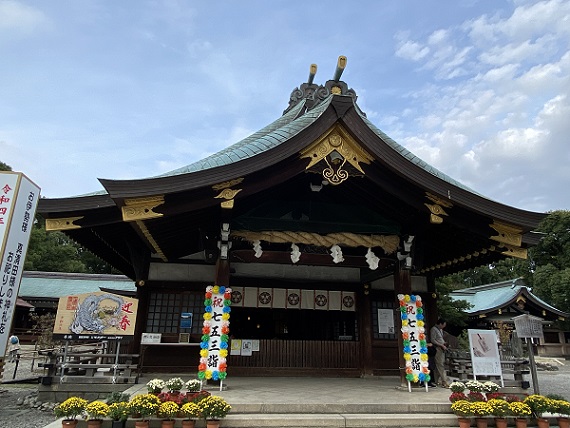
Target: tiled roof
{"type": "Point", "coordinates": [54, 284]}
{"type": "Point", "coordinates": [484, 298]}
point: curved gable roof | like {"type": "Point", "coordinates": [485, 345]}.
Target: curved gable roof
{"type": "Point", "coordinates": [491, 297]}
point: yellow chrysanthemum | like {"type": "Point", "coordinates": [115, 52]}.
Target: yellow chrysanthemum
{"type": "Point", "coordinates": [226, 316]}
{"type": "Point", "coordinates": [407, 298]}
{"type": "Point", "coordinates": [223, 353]}
{"type": "Point", "coordinates": [407, 357]}
{"type": "Point", "coordinates": [207, 316]}
{"type": "Point", "coordinates": [216, 289]}
{"type": "Point", "coordinates": [203, 353]}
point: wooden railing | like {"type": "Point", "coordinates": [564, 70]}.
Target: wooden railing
{"type": "Point", "coordinates": [290, 357]}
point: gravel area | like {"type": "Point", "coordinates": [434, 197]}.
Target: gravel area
{"type": "Point", "coordinates": [19, 407]}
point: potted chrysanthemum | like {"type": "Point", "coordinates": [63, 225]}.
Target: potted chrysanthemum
{"type": "Point", "coordinates": [539, 404]}
{"type": "Point", "coordinates": [562, 409]}
{"type": "Point", "coordinates": [119, 413]}
{"type": "Point", "coordinates": [190, 412]}
{"type": "Point", "coordinates": [168, 411]}
{"type": "Point", "coordinates": [212, 409]}
{"type": "Point", "coordinates": [480, 410]}
{"type": "Point", "coordinates": [69, 410]}
{"type": "Point", "coordinates": [499, 408]}
{"type": "Point", "coordinates": [175, 384]}
{"type": "Point", "coordinates": [520, 411]}
{"type": "Point", "coordinates": [155, 386]}
{"type": "Point", "coordinates": [142, 406]}
{"type": "Point", "coordinates": [193, 385]}
{"type": "Point", "coordinates": [95, 411]}
{"type": "Point", "coordinates": [462, 408]}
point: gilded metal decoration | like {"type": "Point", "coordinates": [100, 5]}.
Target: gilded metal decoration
{"type": "Point", "coordinates": [228, 195]}
{"type": "Point", "coordinates": [335, 148]}
{"type": "Point", "coordinates": [507, 234]}
{"type": "Point", "coordinates": [62, 223]}
{"type": "Point", "coordinates": [226, 184]}
{"type": "Point", "coordinates": [519, 253]}
{"type": "Point", "coordinates": [142, 208]}
{"type": "Point", "coordinates": [439, 201]}
{"type": "Point", "coordinates": [436, 213]}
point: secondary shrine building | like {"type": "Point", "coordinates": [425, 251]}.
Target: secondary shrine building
{"type": "Point", "coordinates": [316, 222]}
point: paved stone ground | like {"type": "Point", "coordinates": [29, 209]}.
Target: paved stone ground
{"type": "Point", "coordinates": [18, 408]}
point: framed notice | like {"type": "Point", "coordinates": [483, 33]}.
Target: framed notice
{"type": "Point", "coordinates": [386, 321]}
{"type": "Point", "coordinates": [485, 353]}
{"type": "Point", "coordinates": [235, 347]}
{"type": "Point", "coordinates": [255, 345]}
{"type": "Point", "coordinates": [246, 347]}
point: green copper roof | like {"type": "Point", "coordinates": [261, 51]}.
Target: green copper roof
{"type": "Point", "coordinates": [265, 139]}
{"type": "Point", "coordinates": [484, 298]}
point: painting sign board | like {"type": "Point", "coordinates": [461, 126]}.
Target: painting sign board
{"type": "Point", "coordinates": [485, 353]}
{"type": "Point", "coordinates": [18, 202]}
{"type": "Point", "coordinates": [95, 316]}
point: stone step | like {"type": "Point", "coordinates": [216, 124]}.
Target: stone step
{"type": "Point", "coordinates": [340, 420]}
{"type": "Point", "coordinates": [430, 408]}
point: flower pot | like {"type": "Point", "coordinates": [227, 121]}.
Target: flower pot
{"type": "Point", "coordinates": [542, 422]}
{"type": "Point", "coordinates": [521, 422]}
{"type": "Point", "coordinates": [213, 424]}
{"type": "Point", "coordinates": [169, 423]}
{"type": "Point", "coordinates": [188, 423]}
{"type": "Point", "coordinates": [501, 422]}
{"type": "Point", "coordinates": [481, 422]}
{"type": "Point", "coordinates": [464, 422]}
{"type": "Point", "coordinates": [94, 423]}
{"type": "Point", "coordinates": [118, 424]}
{"type": "Point", "coordinates": [141, 424]}
{"type": "Point", "coordinates": [563, 422]}
{"type": "Point", "coordinates": [69, 423]}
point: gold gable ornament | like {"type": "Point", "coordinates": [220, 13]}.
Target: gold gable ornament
{"type": "Point", "coordinates": [336, 150]}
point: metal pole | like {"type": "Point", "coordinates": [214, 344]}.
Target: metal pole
{"type": "Point", "coordinates": [532, 366]}
{"type": "Point", "coordinates": [16, 366]}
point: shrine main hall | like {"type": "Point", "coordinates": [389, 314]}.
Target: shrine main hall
{"type": "Point", "coordinates": [316, 223]}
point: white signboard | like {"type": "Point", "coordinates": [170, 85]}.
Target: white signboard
{"type": "Point", "coordinates": [147, 338]}
{"type": "Point", "coordinates": [18, 202]}
{"type": "Point", "coordinates": [484, 353]}
{"type": "Point", "coordinates": [528, 327]}
{"type": "Point", "coordinates": [386, 321]}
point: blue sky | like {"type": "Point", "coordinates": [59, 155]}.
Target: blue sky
{"type": "Point", "coordinates": [132, 89]}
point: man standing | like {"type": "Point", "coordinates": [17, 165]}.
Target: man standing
{"type": "Point", "coordinates": [436, 335]}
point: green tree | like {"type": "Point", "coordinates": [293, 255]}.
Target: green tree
{"type": "Point", "coordinates": [5, 167]}
{"type": "Point", "coordinates": [56, 252]}
{"type": "Point", "coordinates": [551, 279]}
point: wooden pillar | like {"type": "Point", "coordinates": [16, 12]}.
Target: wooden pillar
{"type": "Point", "coordinates": [142, 315]}
{"type": "Point", "coordinates": [222, 276]}
{"type": "Point", "coordinates": [402, 285]}
{"type": "Point", "coordinates": [365, 322]}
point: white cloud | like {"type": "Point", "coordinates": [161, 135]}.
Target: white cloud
{"type": "Point", "coordinates": [506, 122]}
{"type": "Point", "coordinates": [20, 19]}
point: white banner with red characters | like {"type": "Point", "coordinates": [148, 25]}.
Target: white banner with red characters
{"type": "Point", "coordinates": [414, 338]}
{"type": "Point", "coordinates": [215, 333]}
